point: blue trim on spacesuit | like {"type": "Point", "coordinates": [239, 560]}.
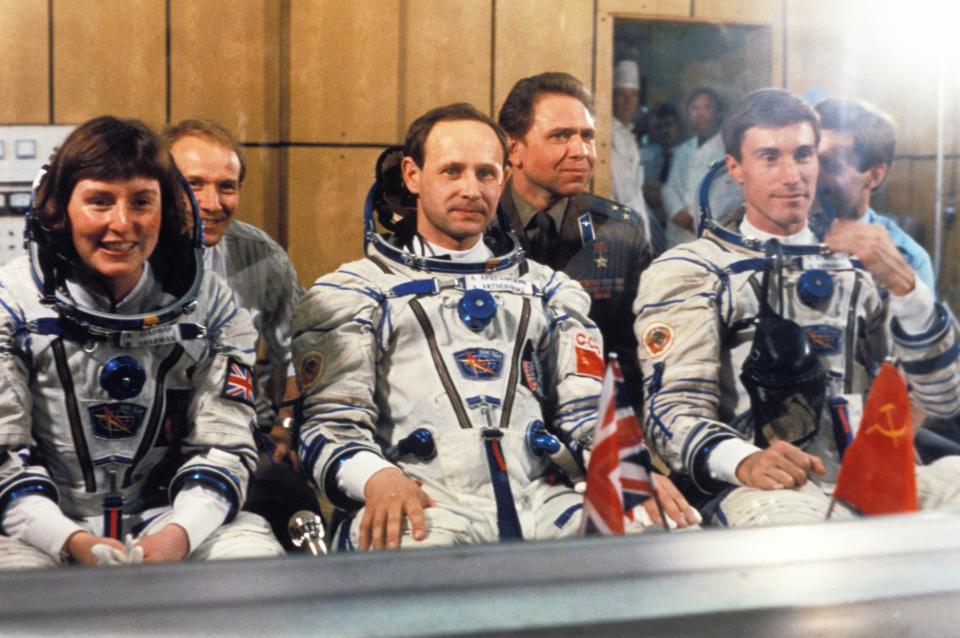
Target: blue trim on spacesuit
{"type": "Point", "coordinates": [26, 485]}
{"type": "Point", "coordinates": [926, 366]}
{"type": "Point", "coordinates": [218, 478]}
{"type": "Point", "coordinates": [567, 514]}
{"type": "Point", "coordinates": [924, 339]}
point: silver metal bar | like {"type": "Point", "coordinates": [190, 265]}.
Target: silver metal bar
{"type": "Point", "coordinates": [885, 576]}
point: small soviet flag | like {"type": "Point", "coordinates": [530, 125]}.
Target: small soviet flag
{"type": "Point", "coordinates": [877, 475]}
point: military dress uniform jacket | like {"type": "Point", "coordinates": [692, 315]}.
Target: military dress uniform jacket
{"type": "Point", "coordinates": [602, 245]}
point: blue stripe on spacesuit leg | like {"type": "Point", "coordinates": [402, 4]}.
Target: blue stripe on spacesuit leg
{"type": "Point", "coordinates": [567, 514]}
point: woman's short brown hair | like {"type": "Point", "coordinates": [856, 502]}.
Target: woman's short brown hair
{"type": "Point", "coordinates": [108, 148]}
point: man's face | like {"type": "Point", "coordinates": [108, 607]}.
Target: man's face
{"type": "Point", "coordinates": [778, 172]}
{"type": "Point", "coordinates": [557, 154]}
{"type": "Point", "coordinates": [213, 171]}
{"type": "Point", "coordinates": [841, 182]}
{"type": "Point", "coordinates": [665, 131]}
{"type": "Point", "coordinates": [625, 104]}
{"type": "Point", "coordinates": [702, 114]}
{"type": "Point", "coordinates": [459, 184]}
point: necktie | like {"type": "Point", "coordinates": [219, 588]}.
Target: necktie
{"type": "Point", "coordinates": [544, 239]}
{"type": "Point", "coordinates": [665, 167]}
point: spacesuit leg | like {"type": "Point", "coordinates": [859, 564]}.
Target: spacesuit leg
{"type": "Point", "coordinates": [557, 510]}
{"type": "Point", "coordinates": [753, 507]}
{"type": "Point", "coordinates": [938, 485]}
{"type": "Point", "coordinates": [246, 536]}
{"type": "Point", "coordinates": [447, 525]}
{"type": "Point", "coordinates": [18, 555]}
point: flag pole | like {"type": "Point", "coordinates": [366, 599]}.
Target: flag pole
{"type": "Point", "coordinates": [656, 499]}
{"type": "Point", "coordinates": [833, 503]}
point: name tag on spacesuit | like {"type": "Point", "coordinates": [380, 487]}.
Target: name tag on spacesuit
{"type": "Point", "coordinates": [826, 262]}
{"type": "Point", "coordinates": [161, 335]}
{"type": "Point", "coordinates": [495, 283]}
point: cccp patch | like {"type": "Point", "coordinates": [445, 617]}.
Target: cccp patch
{"type": "Point", "coordinates": [657, 338]}
{"type": "Point", "coordinates": [589, 355]}
{"type": "Point", "coordinates": [116, 420]}
{"type": "Point", "coordinates": [238, 386]}
{"type": "Point", "coordinates": [479, 364]}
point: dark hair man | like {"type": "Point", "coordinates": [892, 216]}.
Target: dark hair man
{"type": "Point", "coordinates": [429, 364]}
{"type": "Point", "coordinates": [757, 347]}
{"type": "Point", "coordinates": [600, 243]}
{"type": "Point", "coordinates": [856, 152]}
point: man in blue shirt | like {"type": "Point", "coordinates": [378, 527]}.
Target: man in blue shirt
{"type": "Point", "coordinates": [856, 151]}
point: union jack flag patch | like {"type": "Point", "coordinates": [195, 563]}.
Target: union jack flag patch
{"type": "Point", "coordinates": [239, 383]}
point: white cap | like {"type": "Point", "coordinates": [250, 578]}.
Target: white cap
{"type": "Point", "coordinates": [626, 75]}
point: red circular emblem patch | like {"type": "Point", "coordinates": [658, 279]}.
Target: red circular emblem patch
{"type": "Point", "coordinates": [657, 338]}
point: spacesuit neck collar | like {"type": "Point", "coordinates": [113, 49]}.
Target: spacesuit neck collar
{"type": "Point", "coordinates": [730, 232]}
{"type": "Point", "coordinates": [424, 263]}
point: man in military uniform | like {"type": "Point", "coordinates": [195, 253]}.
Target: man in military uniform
{"type": "Point", "coordinates": [598, 242]}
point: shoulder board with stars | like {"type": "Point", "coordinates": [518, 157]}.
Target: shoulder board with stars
{"type": "Point", "coordinates": [610, 208]}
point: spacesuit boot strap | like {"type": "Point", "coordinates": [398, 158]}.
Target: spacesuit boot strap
{"type": "Point", "coordinates": [508, 523]}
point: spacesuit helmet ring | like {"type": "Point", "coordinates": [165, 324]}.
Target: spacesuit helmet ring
{"type": "Point", "coordinates": [111, 149]}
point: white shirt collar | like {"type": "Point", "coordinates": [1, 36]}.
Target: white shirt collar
{"type": "Point", "coordinates": [477, 253]}
{"type": "Point", "coordinates": [804, 236]}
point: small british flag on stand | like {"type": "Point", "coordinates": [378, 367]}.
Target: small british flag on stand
{"type": "Point", "coordinates": [239, 383]}
{"type": "Point", "coordinates": [620, 475]}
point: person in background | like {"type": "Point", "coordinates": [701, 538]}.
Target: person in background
{"type": "Point", "coordinates": [627, 170]}
{"type": "Point", "coordinates": [857, 144]}
{"type": "Point", "coordinates": [658, 160]}
{"type": "Point", "coordinates": [265, 283]}
{"type": "Point", "coordinates": [598, 242]}
{"type": "Point", "coordinates": [690, 163]}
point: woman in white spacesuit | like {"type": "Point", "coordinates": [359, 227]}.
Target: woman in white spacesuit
{"type": "Point", "coordinates": [124, 371]}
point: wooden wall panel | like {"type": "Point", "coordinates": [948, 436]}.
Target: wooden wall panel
{"type": "Point", "coordinates": [24, 64]}
{"type": "Point", "coordinates": [109, 57]}
{"type": "Point", "coordinates": [447, 49]}
{"type": "Point", "coordinates": [750, 11]}
{"type": "Point", "coordinates": [344, 71]}
{"type": "Point", "coordinates": [224, 57]}
{"type": "Point", "coordinates": [327, 188]}
{"type": "Point", "coordinates": [637, 8]}
{"type": "Point", "coordinates": [541, 35]}
{"type": "Point", "coordinates": [260, 196]}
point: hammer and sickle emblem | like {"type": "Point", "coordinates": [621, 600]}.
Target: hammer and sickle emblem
{"type": "Point", "coordinates": [889, 429]}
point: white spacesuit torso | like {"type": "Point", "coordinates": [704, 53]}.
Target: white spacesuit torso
{"type": "Point", "coordinates": [383, 347]}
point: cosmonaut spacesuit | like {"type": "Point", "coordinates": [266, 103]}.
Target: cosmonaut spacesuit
{"type": "Point", "coordinates": [697, 307]}
{"type": "Point", "coordinates": [114, 413]}
{"type": "Point", "coordinates": [460, 373]}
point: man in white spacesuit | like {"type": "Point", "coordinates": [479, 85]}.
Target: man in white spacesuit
{"type": "Point", "coordinates": [126, 371]}
{"type": "Point", "coordinates": [759, 340]}
{"type": "Point", "coordinates": [443, 372]}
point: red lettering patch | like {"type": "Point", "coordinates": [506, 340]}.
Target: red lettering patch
{"type": "Point", "coordinates": [589, 356]}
